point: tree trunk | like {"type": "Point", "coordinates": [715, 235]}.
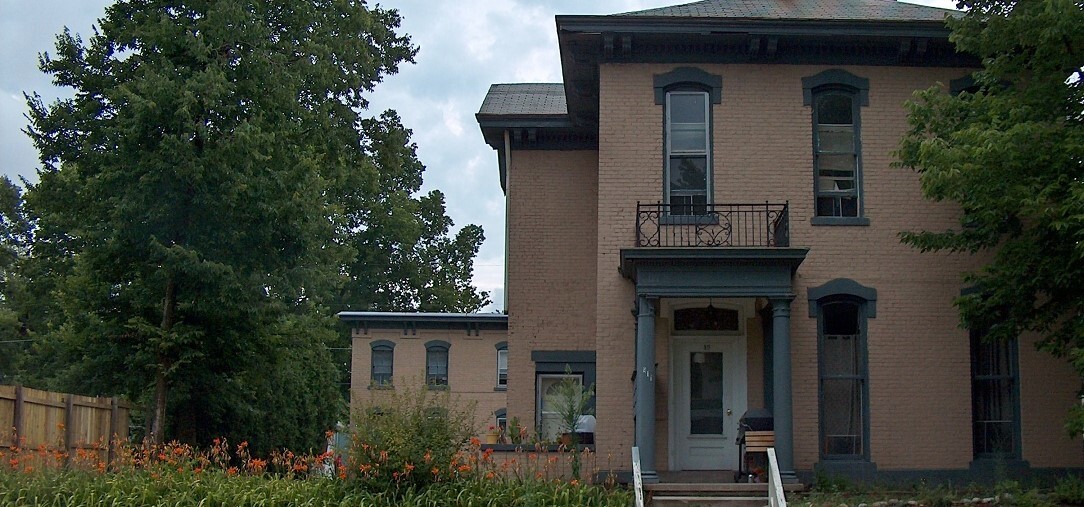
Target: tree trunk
{"type": "Point", "coordinates": [156, 435]}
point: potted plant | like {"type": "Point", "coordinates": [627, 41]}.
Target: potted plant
{"type": "Point", "coordinates": [572, 401]}
{"type": "Point", "coordinates": [516, 432]}
{"type": "Point", "coordinates": [494, 435]}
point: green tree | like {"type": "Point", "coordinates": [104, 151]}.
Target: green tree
{"type": "Point", "coordinates": [405, 260]}
{"type": "Point", "coordinates": [1010, 152]}
{"type": "Point", "coordinates": [14, 244]}
{"type": "Point", "coordinates": [189, 186]}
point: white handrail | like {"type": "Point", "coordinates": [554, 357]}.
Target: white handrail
{"type": "Point", "coordinates": [776, 497]}
{"type": "Point", "coordinates": [637, 479]}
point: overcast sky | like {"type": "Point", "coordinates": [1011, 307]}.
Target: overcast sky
{"type": "Point", "coordinates": [466, 45]}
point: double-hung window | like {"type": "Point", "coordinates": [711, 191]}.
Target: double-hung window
{"type": "Point", "coordinates": [835, 154]}
{"type": "Point", "coordinates": [842, 307]}
{"type": "Point", "coordinates": [836, 98]}
{"type": "Point", "coordinates": [842, 380]}
{"type": "Point", "coordinates": [688, 154]}
{"type": "Point", "coordinates": [436, 363]}
{"type": "Point", "coordinates": [995, 405]}
{"type": "Point", "coordinates": [383, 359]}
{"type": "Point", "coordinates": [502, 367]}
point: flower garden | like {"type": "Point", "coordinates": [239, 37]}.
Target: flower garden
{"type": "Point", "coordinates": [417, 449]}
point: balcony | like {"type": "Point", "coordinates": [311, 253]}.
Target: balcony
{"type": "Point", "coordinates": [712, 225]}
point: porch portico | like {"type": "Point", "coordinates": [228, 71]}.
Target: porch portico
{"type": "Point", "coordinates": [712, 272]}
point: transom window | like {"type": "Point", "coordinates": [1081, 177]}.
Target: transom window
{"type": "Point", "coordinates": [708, 318]}
{"type": "Point", "coordinates": [688, 159]}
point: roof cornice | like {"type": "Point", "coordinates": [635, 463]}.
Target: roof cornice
{"type": "Point", "coordinates": [756, 26]}
{"type": "Point", "coordinates": [586, 42]}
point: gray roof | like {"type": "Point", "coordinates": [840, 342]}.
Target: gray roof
{"type": "Point", "coordinates": [868, 10]}
{"type": "Point", "coordinates": [425, 320]}
{"type": "Point", "coordinates": [422, 316]}
{"type": "Point", "coordinates": [525, 99]}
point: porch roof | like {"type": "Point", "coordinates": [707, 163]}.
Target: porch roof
{"type": "Point", "coordinates": [719, 272]}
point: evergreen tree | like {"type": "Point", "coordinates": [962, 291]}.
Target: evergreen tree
{"type": "Point", "coordinates": [200, 204]}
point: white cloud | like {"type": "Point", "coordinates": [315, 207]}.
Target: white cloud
{"type": "Point", "coordinates": [451, 118]}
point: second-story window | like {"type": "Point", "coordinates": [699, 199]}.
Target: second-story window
{"type": "Point", "coordinates": [835, 154]}
{"type": "Point", "coordinates": [688, 157]}
{"type": "Point", "coordinates": [383, 358]}
{"type": "Point", "coordinates": [436, 363]}
{"type": "Point", "coordinates": [836, 98]}
{"type": "Point", "coordinates": [502, 367]}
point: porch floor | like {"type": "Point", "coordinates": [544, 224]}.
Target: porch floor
{"type": "Point", "coordinates": [697, 476]}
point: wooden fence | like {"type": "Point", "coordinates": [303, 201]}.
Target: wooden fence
{"type": "Point", "coordinates": [58, 421]}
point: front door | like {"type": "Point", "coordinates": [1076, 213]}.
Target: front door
{"type": "Point", "coordinates": [709, 396]}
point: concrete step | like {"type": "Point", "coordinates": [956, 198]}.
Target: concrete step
{"type": "Point", "coordinates": [681, 494]}
{"type": "Point", "coordinates": [707, 501]}
{"type": "Point", "coordinates": [717, 489]}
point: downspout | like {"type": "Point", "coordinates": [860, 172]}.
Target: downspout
{"type": "Point", "coordinates": [507, 170]}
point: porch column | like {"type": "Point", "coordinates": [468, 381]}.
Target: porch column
{"type": "Point", "coordinates": [645, 387]}
{"type": "Point", "coordinates": [781, 403]}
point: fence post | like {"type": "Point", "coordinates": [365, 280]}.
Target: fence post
{"type": "Point", "coordinates": [114, 414]}
{"type": "Point", "coordinates": [69, 421]}
{"type": "Point", "coordinates": [18, 416]}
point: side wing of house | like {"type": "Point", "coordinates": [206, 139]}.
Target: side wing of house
{"type": "Point", "coordinates": [463, 355]}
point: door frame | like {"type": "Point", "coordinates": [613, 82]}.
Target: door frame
{"type": "Point", "coordinates": [730, 345]}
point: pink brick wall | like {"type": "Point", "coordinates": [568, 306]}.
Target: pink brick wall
{"type": "Point", "coordinates": [918, 357]}
{"type": "Point", "coordinates": [1048, 389]}
{"type": "Point", "coordinates": [551, 263]}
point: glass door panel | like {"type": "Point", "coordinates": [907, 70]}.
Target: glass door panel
{"type": "Point", "coordinates": [706, 412]}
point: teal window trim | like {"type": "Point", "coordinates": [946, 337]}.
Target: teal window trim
{"type": "Point", "coordinates": [437, 360]}
{"type": "Point", "coordinates": [686, 83]}
{"type": "Point", "coordinates": [502, 372]}
{"type": "Point", "coordinates": [378, 378]}
{"type": "Point", "coordinates": [556, 361]}
{"type": "Point", "coordinates": [845, 293]}
{"type": "Point", "coordinates": [817, 91]}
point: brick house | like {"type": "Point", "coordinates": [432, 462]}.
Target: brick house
{"type": "Point", "coordinates": [703, 220]}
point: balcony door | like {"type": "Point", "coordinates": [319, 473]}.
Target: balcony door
{"type": "Point", "coordinates": [707, 399]}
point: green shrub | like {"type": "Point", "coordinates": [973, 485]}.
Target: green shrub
{"type": "Point", "coordinates": [410, 437]}
{"type": "Point", "coordinates": [1069, 490]}
{"type": "Point", "coordinates": [142, 488]}
{"type": "Point", "coordinates": [824, 482]}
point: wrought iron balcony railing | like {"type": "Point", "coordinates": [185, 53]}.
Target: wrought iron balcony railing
{"type": "Point", "coordinates": [712, 225]}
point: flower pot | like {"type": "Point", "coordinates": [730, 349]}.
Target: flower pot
{"type": "Point", "coordinates": [491, 438]}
